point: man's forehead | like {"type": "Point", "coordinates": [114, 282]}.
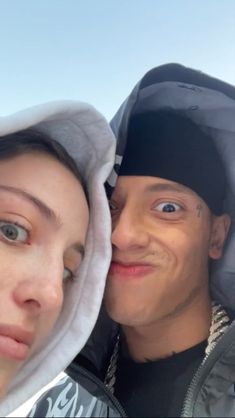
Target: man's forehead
{"type": "Point", "coordinates": [150, 184]}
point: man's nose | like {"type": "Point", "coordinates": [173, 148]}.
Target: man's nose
{"type": "Point", "coordinates": [129, 230]}
{"type": "Point", "coordinates": [41, 291]}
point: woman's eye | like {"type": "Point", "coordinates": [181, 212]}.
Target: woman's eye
{"type": "Point", "coordinates": [167, 207]}
{"type": "Point", "coordinates": [13, 232]}
{"type": "Point", "coordinates": [67, 275]}
{"type": "Point", "coordinates": [112, 206]}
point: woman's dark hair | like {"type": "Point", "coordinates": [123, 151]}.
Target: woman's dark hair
{"type": "Point", "coordinates": [30, 140]}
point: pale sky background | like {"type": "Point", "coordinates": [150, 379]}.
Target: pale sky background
{"type": "Point", "coordinates": [96, 50]}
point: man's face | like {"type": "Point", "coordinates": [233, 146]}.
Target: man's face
{"type": "Point", "coordinates": [163, 234]}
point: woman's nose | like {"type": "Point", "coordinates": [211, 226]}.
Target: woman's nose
{"type": "Point", "coordinates": [41, 291]}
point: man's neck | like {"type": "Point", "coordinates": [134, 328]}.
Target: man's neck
{"type": "Point", "coordinates": [173, 334]}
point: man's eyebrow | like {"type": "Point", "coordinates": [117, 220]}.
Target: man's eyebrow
{"type": "Point", "coordinates": [164, 187]}
{"type": "Point", "coordinates": [41, 206]}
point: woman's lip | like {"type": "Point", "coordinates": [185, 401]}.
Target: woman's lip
{"type": "Point", "coordinates": [15, 341]}
{"type": "Point", "coordinates": [13, 349]}
{"type": "Point", "coordinates": [129, 270]}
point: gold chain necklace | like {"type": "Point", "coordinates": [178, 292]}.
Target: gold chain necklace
{"type": "Point", "coordinates": [219, 323]}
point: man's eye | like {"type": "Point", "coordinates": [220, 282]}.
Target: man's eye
{"type": "Point", "coordinates": [13, 232]}
{"type": "Point", "coordinates": [167, 207]}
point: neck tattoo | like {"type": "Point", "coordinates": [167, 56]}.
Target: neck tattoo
{"type": "Point", "coordinates": [219, 323]}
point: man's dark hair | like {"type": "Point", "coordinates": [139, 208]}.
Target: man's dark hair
{"type": "Point", "coordinates": [31, 140]}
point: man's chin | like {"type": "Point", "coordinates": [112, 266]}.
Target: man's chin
{"type": "Point", "coordinates": [123, 312]}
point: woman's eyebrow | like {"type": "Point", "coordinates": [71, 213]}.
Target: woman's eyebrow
{"type": "Point", "coordinates": [79, 248]}
{"type": "Point", "coordinates": [47, 212]}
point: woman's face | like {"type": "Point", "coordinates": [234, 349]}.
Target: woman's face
{"type": "Point", "coordinates": [43, 225]}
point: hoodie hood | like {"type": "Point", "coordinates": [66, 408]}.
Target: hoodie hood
{"type": "Point", "coordinates": [87, 137]}
{"type": "Point", "coordinates": [210, 103]}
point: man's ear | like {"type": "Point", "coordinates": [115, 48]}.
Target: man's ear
{"type": "Point", "coordinates": [219, 232]}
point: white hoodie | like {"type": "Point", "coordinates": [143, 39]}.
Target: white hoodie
{"type": "Point", "coordinates": [86, 136]}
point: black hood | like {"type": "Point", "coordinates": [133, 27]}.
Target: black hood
{"type": "Point", "coordinates": [210, 103]}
